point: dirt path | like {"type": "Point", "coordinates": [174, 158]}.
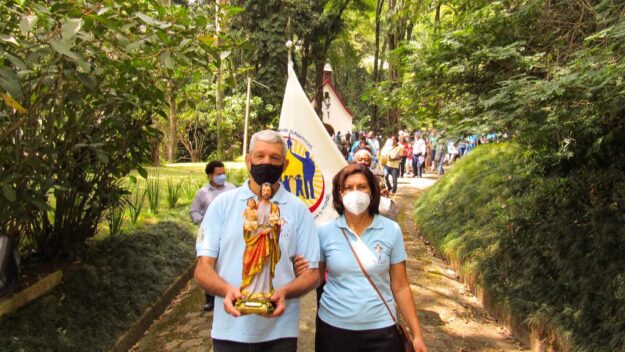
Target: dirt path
{"type": "Point", "coordinates": [451, 318]}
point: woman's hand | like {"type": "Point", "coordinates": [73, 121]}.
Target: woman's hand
{"type": "Point", "coordinates": [300, 264]}
{"type": "Point", "coordinates": [419, 344]}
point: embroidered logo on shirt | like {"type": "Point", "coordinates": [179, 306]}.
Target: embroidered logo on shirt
{"type": "Point", "coordinates": [285, 232]}
{"type": "Point", "coordinates": [380, 257]}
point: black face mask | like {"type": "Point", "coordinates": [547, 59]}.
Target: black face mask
{"type": "Point", "coordinates": [262, 173]}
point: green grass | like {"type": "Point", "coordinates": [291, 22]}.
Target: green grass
{"type": "Point", "coordinates": [461, 212]}
{"type": "Point", "coordinates": [102, 296]}
{"type": "Point", "coordinates": [190, 177]}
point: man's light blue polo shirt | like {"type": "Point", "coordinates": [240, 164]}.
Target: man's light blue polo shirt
{"type": "Point", "coordinates": [221, 237]}
{"type": "Point", "coordinates": [349, 301]}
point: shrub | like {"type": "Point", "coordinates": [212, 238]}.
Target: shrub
{"type": "Point", "coordinates": [80, 89]}
{"type": "Point", "coordinates": [174, 189]}
{"type": "Point", "coordinates": [550, 248]}
{"type": "Point", "coordinates": [154, 193]}
{"type": "Point", "coordinates": [135, 203]}
{"type": "Point", "coordinates": [115, 220]}
{"type": "Point", "coordinates": [102, 296]}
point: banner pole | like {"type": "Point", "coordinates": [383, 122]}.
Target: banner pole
{"type": "Point", "coordinates": [247, 115]}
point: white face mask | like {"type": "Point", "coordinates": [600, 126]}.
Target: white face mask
{"type": "Point", "coordinates": [356, 202]}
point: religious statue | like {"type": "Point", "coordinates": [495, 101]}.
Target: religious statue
{"type": "Point", "coordinates": [261, 231]}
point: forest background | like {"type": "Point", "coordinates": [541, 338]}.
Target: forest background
{"type": "Point", "coordinates": [94, 90]}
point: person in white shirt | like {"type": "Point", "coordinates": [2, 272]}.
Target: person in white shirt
{"type": "Point", "coordinates": [418, 155]}
{"type": "Point", "coordinates": [216, 172]}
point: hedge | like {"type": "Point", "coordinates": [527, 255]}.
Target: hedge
{"type": "Point", "coordinates": [551, 249]}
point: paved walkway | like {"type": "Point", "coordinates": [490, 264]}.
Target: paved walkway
{"type": "Point", "coordinates": [451, 318]}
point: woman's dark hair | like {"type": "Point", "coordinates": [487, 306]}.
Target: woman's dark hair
{"type": "Point", "coordinates": [210, 167]}
{"type": "Point", "coordinates": [339, 180]}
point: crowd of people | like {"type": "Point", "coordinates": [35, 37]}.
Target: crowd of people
{"type": "Point", "coordinates": [407, 153]}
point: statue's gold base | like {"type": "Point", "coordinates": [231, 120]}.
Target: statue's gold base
{"type": "Point", "coordinates": [254, 307]}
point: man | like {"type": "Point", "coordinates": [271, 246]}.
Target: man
{"type": "Point", "coordinates": [217, 184]}
{"type": "Point", "coordinates": [418, 155]}
{"type": "Point", "coordinates": [374, 143]}
{"type": "Point", "coordinates": [221, 245]}
{"type": "Point", "coordinates": [387, 207]}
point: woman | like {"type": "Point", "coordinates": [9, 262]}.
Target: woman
{"type": "Point", "coordinates": [351, 316]}
{"type": "Point", "coordinates": [392, 165]}
{"type": "Point", "coordinates": [405, 143]}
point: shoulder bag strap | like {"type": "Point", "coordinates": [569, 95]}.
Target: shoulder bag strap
{"type": "Point", "coordinates": [368, 277]}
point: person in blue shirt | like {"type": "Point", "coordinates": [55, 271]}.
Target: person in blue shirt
{"type": "Point", "coordinates": [220, 247]}
{"type": "Point", "coordinates": [351, 316]}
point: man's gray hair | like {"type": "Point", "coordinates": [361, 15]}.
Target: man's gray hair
{"type": "Point", "coordinates": [268, 136]}
{"type": "Point", "coordinates": [362, 152]}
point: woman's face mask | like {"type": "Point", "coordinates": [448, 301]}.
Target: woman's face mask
{"type": "Point", "coordinates": [356, 202]}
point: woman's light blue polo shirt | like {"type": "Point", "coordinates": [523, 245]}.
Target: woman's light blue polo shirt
{"type": "Point", "coordinates": [221, 237]}
{"type": "Point", "coordinates": [349, 301]}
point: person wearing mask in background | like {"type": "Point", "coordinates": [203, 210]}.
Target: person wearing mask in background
{"type": "Point", "coordinates": [351, 316]}
{"type": "Point", "coordinates": [375, 149]}
{"type": "Point", "coordinates": [216, 172]}
{"type": "Point", "coordinates": [221, 244]}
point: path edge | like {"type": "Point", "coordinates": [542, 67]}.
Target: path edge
{"type": "Point", "coordinates": [514, 324]}
{"type": "Point", "coordinates": [136, 331]}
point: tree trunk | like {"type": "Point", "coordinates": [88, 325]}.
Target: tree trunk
{"type": "Point", "coordinates": [155, 154]}
{"type": "Point", "coordinates": [218, 88]}
{"type": "Point", "coordinates": [437, 17]}
{"type": "Point", "coordinates": [303, 76]}
{"type": "Point", "coordinates": [376, 64]}
{"type": "Point", "coordinates": [319, 60]}
{"type": "Point", "coordinates": [393, 71]}
{"type": "Point", "coordinates": [172, 140]}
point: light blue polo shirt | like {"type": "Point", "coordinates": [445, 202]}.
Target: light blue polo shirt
{"type": "Point", "coordinates": [221, 237]}
{"type": "Point", "coordinates": [349, 301]}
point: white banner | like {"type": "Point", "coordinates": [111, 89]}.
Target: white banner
{"type": "Point", "coordinates": [313, 157]}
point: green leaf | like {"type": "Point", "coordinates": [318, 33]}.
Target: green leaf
{"type": "Point", "coordinates": [70, 28]}
{"type": "Point", "coordinates": [134, 45]}
{"type": "Point", "coordinates": [167, 61]}
{"type": "Point", "coordinates": [143, 172]}
{"type": "Point", "coordinates": [132, 179]}
{"type": "Point", "coordinates": [102, 156]}
{"type": "Point", "coordinates": [41, 205]}
{"type": "Point", "coordinates": [62, 47]}
{"type": "Point", "coordinates": [184, 42]}
{"type": "Point", "coordinates": [87, 80]}
{"type": "Point", "coordinates": [9, 193]}
{"type": "Point", "coordinates": [151, 21]}
{"type": "Point", "coordinates": [16, 61]}
{"type": "Point", "coordinates": [147, 19]}
{"type": "Point", "coordinates": [27, 23]}
{"type": "Point", "coordinates": [10, 82]}
{"type": "Point", "coordinates": [107, 22]}
{"type": "Point", "coordinates": [9, 39]}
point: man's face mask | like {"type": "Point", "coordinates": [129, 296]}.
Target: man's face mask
{"type": "Point", "coordinates": [262, 173]}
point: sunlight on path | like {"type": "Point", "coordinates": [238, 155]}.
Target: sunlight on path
{"type": "Point", "coordinates": [451, 317]}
